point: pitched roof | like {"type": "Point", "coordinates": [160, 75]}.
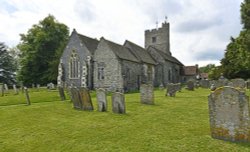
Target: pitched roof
{"type": "Point", "coordinates": [141, 54]}
{"type": "Point", "coordinates": [190, 70]}
{"type": "Point", "coordinates": [166, 56]}
{"type": "Point", "coordinates": [121, 51]}
{"type": "Point", "coordinates": [90, 43]}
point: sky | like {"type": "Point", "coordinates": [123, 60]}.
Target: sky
{"type": "Point", "coordinates": [199, 29]}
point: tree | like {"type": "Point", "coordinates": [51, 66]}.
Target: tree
{"type": "Point", "coordinates": [41, 49]}
{"type": "Point", "coordinates": [236, 61]}
{"type": "Point", "coordinates": [207, 68]}
{"type": "Point", "coordinates": [7, 65]}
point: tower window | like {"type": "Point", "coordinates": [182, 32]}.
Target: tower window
{"type": "Point", "coordinates": [153, 39]}
{"type": "Point", "coordinates": [74, 65]}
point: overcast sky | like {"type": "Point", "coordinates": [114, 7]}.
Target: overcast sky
{"type": "Point", "coordinates": [199, 29]}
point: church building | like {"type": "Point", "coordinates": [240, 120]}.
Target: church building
{"type": "Point", "coordinates": [93, 63]}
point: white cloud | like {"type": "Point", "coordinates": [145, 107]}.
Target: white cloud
{"type": "Point", "coordinates": [200, 29]}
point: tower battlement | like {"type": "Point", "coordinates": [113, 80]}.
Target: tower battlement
{"type": "Point", "coordinates": [159, 38]}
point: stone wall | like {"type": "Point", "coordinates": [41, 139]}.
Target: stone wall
{"type": "Point", "coordinates": [112, 69]}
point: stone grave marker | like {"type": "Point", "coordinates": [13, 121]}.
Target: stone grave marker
{"type": "Point", "coordinates": [248, 84]}
{"type": "Point", "coordinates": [15, 89]}
{"type": "Point", "coordinates": [101, 99]}
{"type": "Point", "coordinates": [6, 88]}
{"type": "Point", "coordinates": [229, 114]}
{"type": "Point", "coordinates": [1, 89]}
{"type": "Point", "coordinates": [190, 85]}
{"type": "Point", "coordinates": [161, 86]}
{"type": "Point", "coordinates": [85, 99]}
{"type": "Point", "coordinates": [75, 98]}
{"type": "Point", "coordinates": [118, 103]}
{"type": "Point", "coordinates": [61, 93]}
{"type": "Point", "coordinates": [204, 83]}
{"type": "Point", "coordinates": [147, 94]}
{"type": "Point", "coordinates": [27, 95]}
{"type": "Point", "coordinates": [171, 90]}
{"type": "Point", "coordinates": [239, 83]}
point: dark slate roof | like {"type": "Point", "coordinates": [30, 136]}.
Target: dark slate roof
{"type": "Point", "coordinates": [90, 43]}
{"type": "Point", "coordinates": [121, 51]}
{"type": "Point", "coordinates": [166, 56]}
{"type": "Point", "coordinates": [141, 54]}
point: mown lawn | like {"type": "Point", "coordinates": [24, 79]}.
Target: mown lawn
{"type": "Point", "coordinates": [172, 124]}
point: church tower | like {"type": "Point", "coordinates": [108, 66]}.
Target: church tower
{"type": "Point", "coordinates": [158, 38]}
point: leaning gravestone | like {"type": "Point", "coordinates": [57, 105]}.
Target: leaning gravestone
{"type": "Point", "coordinates": [229, 114]}
{"type": "Point", "coordinates": [147, 94]}
{"type": "Point", "coordinates": [85, 99]}
{"type": "Point", "coordinates": [190, 85]}
{"type": "Point", "coordinates": [171, 90]}
{"type": "Point", "coordinates": [75, 98]}
{"type": "Point", "coordinates": [101, 99]}
{"type": "Point", "coordinates": [238, 83]}
{"type": "Point", "coordinates": [118, 103]}
{"type": "Point", "coordinates": [61, 93]}
{"type": "Point", "coordinates": [1, 89]}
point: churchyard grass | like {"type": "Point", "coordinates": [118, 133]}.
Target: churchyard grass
{"type": "Point", "coordinates": [178, 123]}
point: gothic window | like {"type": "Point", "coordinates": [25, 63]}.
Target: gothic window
{"type": "Point", "coordinates": [74, 65]}
{"type": "Point", "coordinates": [153, 39]}
{"type": "Point", "coordinates": [100, 70]}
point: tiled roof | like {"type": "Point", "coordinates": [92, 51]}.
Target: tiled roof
{"type": "Point", "coordinates": [90, 43]}
{"type": "Point", "coordinates": [121, 51]}
{"type": "Point", "coordinates": [141, 54]}
{"type": "Point", "coordinates": [166, 56]}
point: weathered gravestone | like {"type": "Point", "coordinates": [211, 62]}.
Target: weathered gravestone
{"type": "Point", "coordinates": [101, 99]}
{"type": "Point", "coordinates": [147, 94]}
{"type": "Point", "coordinates": [1, 89]}
{"type": "Point", "coordinates": [190, 85]}
{"type": "Point", "coordinates": [81, 99]}
{"type": "Point", "coordinates": [118, 103]}
{"type": "Point", "coordinates": [61, 93]}
{"type": "Point", "coordinates": [15, 89]}
{"type": "Point", "coordinates": [204, 83]}
{"type": "Point", "coordinates": [6, 88]}
{"type": "Point", "coordinates": [238, 83]}
{"type": "Point", "coordinates": [161, 86]}
{"type": "Point", "coordinates": [27, 95]}
{"type": "Point", "coordinates": [229, 114]}
{"type": "Point", "coordinates": [171, 90]}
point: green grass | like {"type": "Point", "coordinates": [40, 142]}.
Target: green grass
{"type": "Point", "coordinates": [172, 124]}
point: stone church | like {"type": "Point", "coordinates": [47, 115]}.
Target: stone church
{"type": "Point", "coordinates": [105, 64]}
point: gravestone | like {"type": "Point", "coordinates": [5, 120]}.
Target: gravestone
{"type": "Point", "coordinates": [171, 90]}
{"type": "Point", "coordinates": [101, 99]}
{"type": "Point", "coordinates": [61, 93]}
{"type": "Point", "coordinates": [33, 85]}
{"type": "Point", "coordinates": [27, 95]}
{"type": "Point", "coordinates": [238, 83]}
{"type": "Point", "coordinates": [15, 89]}
{"type": "Point", "coordinates": [161, 87]}
{"type": "Point", "coordinates": [1, 89]}
{"type": "Point", "coordinates": [147, 94]}
{"type": "Point", "coordinates": [6, 88]}
{"type": "Point", "coordinates": [85, 99]}
{"type": "Point", "coordinates": [118, 103]}
{"type": "Point", "coordinates": [37, 87]}
{"type": "Point", "coordinates": [248, 84]}
{"type": "Point", "coordinates": [229, 114]}
{"type": "Point", "coordinates": [190, 85]}
{"type": "Point", "coordinates": [75, 98]}
{"type": "Point", "coordinates": [204, 83]}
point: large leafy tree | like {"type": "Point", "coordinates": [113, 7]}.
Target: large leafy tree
{"type": "Point", "coordinates": [41, 49]}
{"type": "Point", "coordinates": [7, 65]}
{"type": "Point", "coordinates": [236, 61]}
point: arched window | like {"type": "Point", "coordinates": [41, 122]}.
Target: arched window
{"type": "Point", "coordinates": [74, 65]}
